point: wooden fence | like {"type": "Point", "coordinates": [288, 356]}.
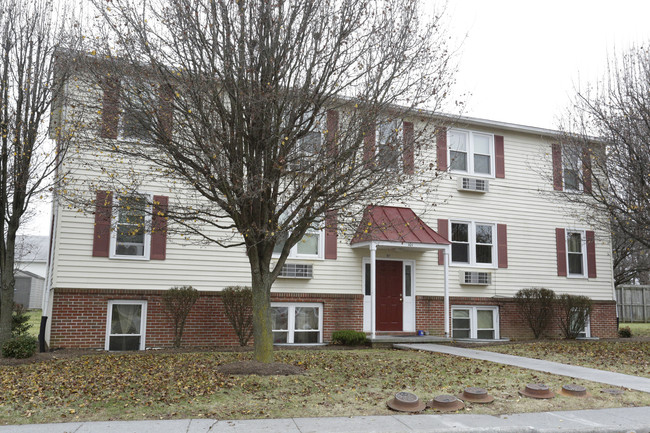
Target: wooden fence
{"type": "Point", "coordinates": [633, 303]}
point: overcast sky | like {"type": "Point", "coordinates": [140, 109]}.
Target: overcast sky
{"type": "Point", "coordinates": [521, 60]}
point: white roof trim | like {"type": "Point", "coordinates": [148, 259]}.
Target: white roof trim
{"type": "Point", "coordinates": [406, 245]}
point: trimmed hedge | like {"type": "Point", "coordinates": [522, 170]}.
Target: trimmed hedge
{"type": "Point", "coordinates": [348, 337]}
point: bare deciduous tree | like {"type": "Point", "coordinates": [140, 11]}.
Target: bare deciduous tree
{"type": "Point", "coordinates": [607, 134]}
{"type": "Point", "coordinates": [29, 36]}
{"type": "Point", "coordinates": [275, 108]}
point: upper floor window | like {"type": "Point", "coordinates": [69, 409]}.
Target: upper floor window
{"type": "Point", "coordinates": [472, 243]}
{"type": "Point", "coordinates": [309, 146]}
{"type": "Point", "coordinates": [389, 137]}
{"type": "Point", "coordinates": [471, 152]}
{"type": "Point", "coordinates": [137, 122]}
{"type": "Point", "coordinates": [130, 237]}
{"type": "Point", "coordinates": [571, 171]}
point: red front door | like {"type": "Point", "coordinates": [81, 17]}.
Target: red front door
{"type": "Point", "coordinates": [389, 295]}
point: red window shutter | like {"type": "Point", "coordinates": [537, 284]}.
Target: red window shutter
{"type": "Point", "coordinates": [560, 245]}
{"type": "Point", "coordinates": [159, 228]}
{"type": "Point", "coordinates": [102, 234]}
{"type": "Point", "coordinates": [441, 148]}
{"type": "Point", "coordinates": [443, 230]}
{"type": "Point", "coordinates": [332, 131]}
{"type": "Point", "coordinates": [330, 234]}
{"type": "Point", "coordinates": [502, 245]}
{"type": "Point", "coordinates": [166, 116]}
{"type": "Point", "coordinates": [591, 254]}
{"type": "Point", "coordinates": [557, 166]}
{"type": "Point", "coordinates": [110, 108]}
{"type": "Point", "coordinates": [499, 157]}
{"type": "Point", "coordinates": [586, 170]}
{"type": "Point", "coordinates": [369, 144]}
{"type": "Point", "coordinates": [409, 151]}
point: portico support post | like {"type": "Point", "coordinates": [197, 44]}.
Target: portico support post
{"type": "Point", "coordinates": [373, 285]}
{"type": "Point", "coordinates": [446, 290]}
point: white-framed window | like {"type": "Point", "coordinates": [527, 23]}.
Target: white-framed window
{"type": "Point", "coordinates": [473, 243]}
{"type": "Point", "coordinates": [136, 120]}
{"type": "Point", "coordinates": [310, 145]}
{"type": "Point", "coordinates": [571, 171]}
{"type": "Point", "coordinates": [130, 238]}
{"type": "Point", "coordinates": [311, 246]}
{"type": "Point", "coordinates": [471, 152]}
{"type": "Point", "coordinates": [389, 141]}
{"type": "Point", "coordinates": [480, 322]}
{"type": "Point", "coordinates": [576, 247]}
{"type": "Point", "coordinates": [126, 325]}
{"type": "Point", "coordinates": [297, 323]}
{"type": "Point", "coordinates": [586, 331]}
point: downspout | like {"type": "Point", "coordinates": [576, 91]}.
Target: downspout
{"type": "Point", "coordinates": [373, 283]}
{"type": "Point", "coordinates": [48, 281]}
{"type": "Point", "coordinates": [445, 253]}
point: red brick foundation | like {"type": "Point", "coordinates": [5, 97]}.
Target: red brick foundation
{"type": "Point", "coordinates": [512, 325]}
{"type": "Point", "coordinates": [79, 317]}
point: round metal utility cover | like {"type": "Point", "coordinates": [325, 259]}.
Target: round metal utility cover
{"type": "Point", "coordinates": [573, 390]}
{"type": "Point", "coordinates": [475, 395]}
{"type": "Point", "coordinates": [406, 402]}
{"type": "Point", "coordinates": [537, 390]}
{"type": "Point", "coordinates": [446, 403]}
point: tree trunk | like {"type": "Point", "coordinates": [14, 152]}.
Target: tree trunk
{"type": "Point", "coordinates": [7, 291]}
{"type": "Point", "coordinates": [262, 331]}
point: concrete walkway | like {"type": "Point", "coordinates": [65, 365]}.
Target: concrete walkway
{"type": "Point", "coordinates": [615, 379]}
{"type": "Point", "coordinates": [635, 419]}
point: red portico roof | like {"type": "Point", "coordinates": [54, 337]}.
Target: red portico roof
{"type": "Point", "coordinates": [395, 224]}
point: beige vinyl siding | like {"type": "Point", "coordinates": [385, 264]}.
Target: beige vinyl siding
{"type": "Point", "coordinates": [524, 201]}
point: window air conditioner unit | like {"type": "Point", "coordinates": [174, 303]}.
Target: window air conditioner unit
{"type": "Point", "coordinates": [474, 185]}
{"type": "Point", "coordinates": [295, 270]}
{"type": "Point", "coordinates": [475, 278]}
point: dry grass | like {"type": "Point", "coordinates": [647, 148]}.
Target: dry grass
{"type": "Point", "coordinates": [621, 356]}
{"type": "Point", "coordinates": [337, 383]}
{"type": "Point", "coordinates": [638, 329]}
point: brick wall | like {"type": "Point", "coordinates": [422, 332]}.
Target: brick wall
{"type": "Point", "coordinates": [511, 323]}
{"type": "Point", "coordinates": [79, 317]}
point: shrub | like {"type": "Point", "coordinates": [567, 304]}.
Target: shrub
{"type": "Point", "coordinates": [348, 337]}
{"type": "Point", "coordinates": [19, 321]}
{"type": "Point", "coordinates": [178, 301]}
{"type": "Point", "coordinates": [625, 332]}
{"type": "Point", "coordinates": [238, 303]}
{"type": "Point", "coordinates": [20, 347]}
{"type": "Point", "coordinates": [536, 306]}
{"type": "Point", "coordinates": [573, 314]}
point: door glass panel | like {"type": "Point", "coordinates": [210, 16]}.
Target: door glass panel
{"type": "Point", "coordinates": [367, 288]}
{"type": "Point", "coordinates": [407, 280]}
